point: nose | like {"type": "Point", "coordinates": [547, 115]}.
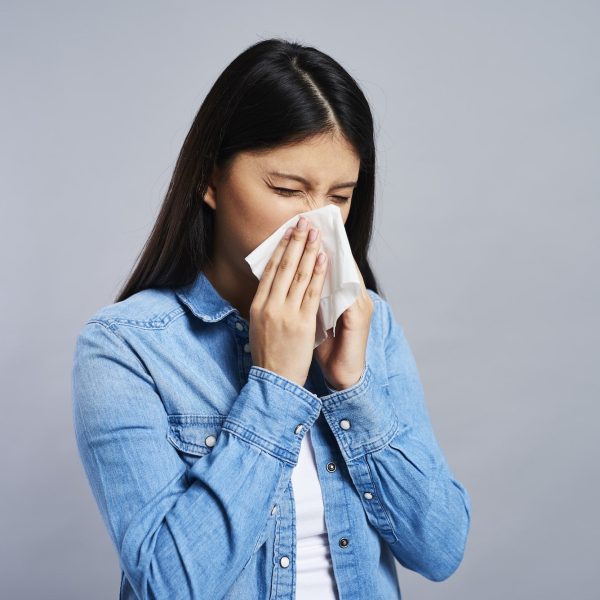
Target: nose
{"type": "Point", "coordinates": [318, 201]}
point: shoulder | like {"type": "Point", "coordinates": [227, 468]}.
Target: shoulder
{"type": "Point", "coordinates": [128, 332]}
{"type": "Point", "coordinates": [383, 314]}
{"type": "Point", "coordinates": [391, 336]}
{"type": "Point", "coordinates": [128, 326]}
{"type": "Point", "coordinates": [153, 308]}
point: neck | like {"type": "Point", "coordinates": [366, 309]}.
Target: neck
{"type": "Point", "coordinates": [235, 285]}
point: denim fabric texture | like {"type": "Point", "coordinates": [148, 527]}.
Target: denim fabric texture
{"type": "Point", "coordinates": [188, 449]}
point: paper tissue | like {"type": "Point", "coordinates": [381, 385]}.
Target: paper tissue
{"type": "Point", "coordinates": [342, 284]}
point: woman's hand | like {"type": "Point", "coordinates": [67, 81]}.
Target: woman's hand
{"type": "Point", "coordinates": [342, 358]}
{"type": "Point", "coordinates": [283, 314]}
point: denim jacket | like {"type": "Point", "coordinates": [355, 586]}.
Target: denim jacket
{"type": "Point", "coordinates": [188, 449]}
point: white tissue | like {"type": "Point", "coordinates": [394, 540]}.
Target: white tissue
{"type": "Point", "coordinates": [342, 284]}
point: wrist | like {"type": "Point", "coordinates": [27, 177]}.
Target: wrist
{"type": "Point", "coordinates": [340, 385]}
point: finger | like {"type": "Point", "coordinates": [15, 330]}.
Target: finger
{"type": "Point", "coordinates": [312, 295]}
{"type": "Point", "coordinates": [268, 274]}
{"type": "Point", "coordinates": [288, 264]}
{"type": "Point", "coordinates": [305, 268]}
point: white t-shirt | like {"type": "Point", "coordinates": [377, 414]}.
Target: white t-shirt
{"type": "Point", "coordinates": [314, 571]}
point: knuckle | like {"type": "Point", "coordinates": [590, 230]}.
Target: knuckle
{"type": "Point", "coordinates": [300, 276]}
{"type": "Point", "coordinates": [285, 264]}
{"type": "Point", "coordinates": [269, 314]}
{"type": "Point", "coordinates": [288, 323]}
{"type": "Point", "coordinates": [311, 292]}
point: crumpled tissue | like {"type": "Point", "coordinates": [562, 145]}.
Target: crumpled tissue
{"type": "Point", "coordinates": [342, 283]}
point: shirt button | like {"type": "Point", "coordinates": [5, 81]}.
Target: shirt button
{"type": "Point", "coordinates": [331, 467]}
{"type": "Point", "coordinates": [368, 495]}
{"type": "Point", "coordinates": [284, 561]}
{"type": "Point", "coordinates": [274, 509]}
{"type": "Point", "coordinates": [239, 326]}
{"type": "Point", "coordinates": [344, 542]}
{"type": "Point", "coordinates": [345, 424]}
{"type": "Point", "coordinates": [246, 347]}
{"type": "Point", "coordinates": [210, 441]}
{"type": "Point", "coordinates": [298, 428]}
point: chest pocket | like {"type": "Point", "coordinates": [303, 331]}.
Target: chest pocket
{"type": "Point", "coordinates": [194, 435]}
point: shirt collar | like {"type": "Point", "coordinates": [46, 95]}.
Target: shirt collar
{"type": "Point", "coordinates": [204, 300]}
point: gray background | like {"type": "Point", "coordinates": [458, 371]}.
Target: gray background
{"type": "Point", "coordinates": [486, 245]}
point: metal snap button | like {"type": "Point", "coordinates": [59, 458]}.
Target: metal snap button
{"type": "Point", "coordinates": [284, 561]}
{"type": "Point", "coordinates": [368, 495]}
{"type": "Point", "coordinates": [210, 440]}
{"type": "Point", "coordinates": [246, 347]}
{"type": "Point", "coordinates": [239, 326]}
{"type": "Point", "coordinates": [299, 428]}
{"type": "Point", "coordinates": [331, 467]}
{"type": "Point", "coordinates": [345, 424]}
{"type": "Point", "coordinates": [344, 542]}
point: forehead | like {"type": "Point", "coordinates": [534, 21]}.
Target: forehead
{"type": "Point", "coordinates": [317, 159]}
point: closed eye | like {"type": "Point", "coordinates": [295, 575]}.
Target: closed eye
{"type": "Point", "coordinates": [287, 192]}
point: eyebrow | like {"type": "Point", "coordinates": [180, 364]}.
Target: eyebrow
{"type": "Point", "coordinates": [342, 184]}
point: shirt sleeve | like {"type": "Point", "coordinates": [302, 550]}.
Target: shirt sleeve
{"type": "Point", "coordinates": [180, 532]}
{"type": "Point", "coordinates": [408, 491]}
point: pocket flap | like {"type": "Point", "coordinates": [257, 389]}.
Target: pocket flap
{"type": "Point", "coordinates": [194, 434]}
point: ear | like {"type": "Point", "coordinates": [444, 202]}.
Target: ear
{"type": "Point", "coordinates": [210, 196]}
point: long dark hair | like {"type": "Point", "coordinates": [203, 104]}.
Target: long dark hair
{"type": "Point", "coordinates": [276, 92]}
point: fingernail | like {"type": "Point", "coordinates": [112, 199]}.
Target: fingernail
{"type": "Point", "coordinates": [302, 223]}
{"type": "Point", "coordinates": [288, 233]}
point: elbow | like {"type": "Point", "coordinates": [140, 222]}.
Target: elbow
{"type": "Point", "coordinates": [435, 558]}
{"type": "Point", "coordinates": [155, 567]}
{"type": "Point", "coordinates": [441, 566]}
{"type": "Point", "coordinates": [152, 583]}
{"type": "Point", "coordinates": [439, 542]}
{"type": "Point", "coordinates": [449, 549]}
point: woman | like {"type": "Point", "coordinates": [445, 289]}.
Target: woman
{"type": "Point", "coordinates": [228, 458]}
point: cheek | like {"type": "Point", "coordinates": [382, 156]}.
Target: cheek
{"type": "Point", "coordinates": [268, 225]}
{"type": "Point", "coordinates": [265, 222]}
{"type": "Point", "coordinates": [252, 228]}
{"type": "Point", "coordinates": [345, 212]}
{"type": "Point", "coordinates": [253, 216]}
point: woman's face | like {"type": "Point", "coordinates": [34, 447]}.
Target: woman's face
{"type": "Point", "coordinates": [250, 204]}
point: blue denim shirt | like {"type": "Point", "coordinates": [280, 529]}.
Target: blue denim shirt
{"type": "Point", "coordinates": [188, 448]}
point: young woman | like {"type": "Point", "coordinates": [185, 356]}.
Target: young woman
{"type": "Point", "coordinates": [228, 457]}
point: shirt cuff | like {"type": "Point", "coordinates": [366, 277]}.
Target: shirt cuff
{"type": "Point", "coordinates": [361, 417]}
{"type": "Point", "coordinates": [273, 413]}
